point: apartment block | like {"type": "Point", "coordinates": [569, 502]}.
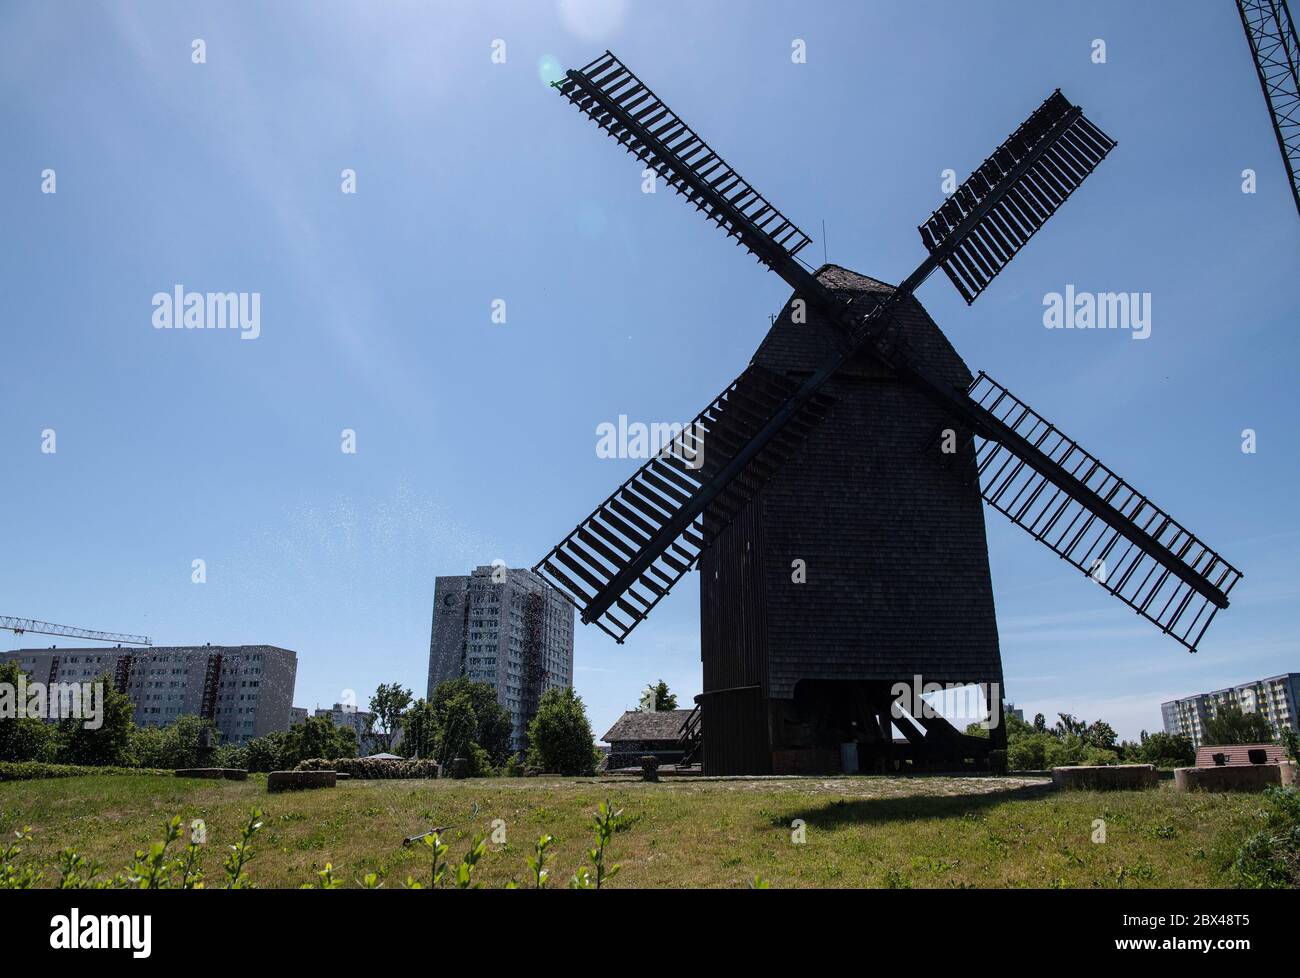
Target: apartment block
{"type": "Point", "coordinates": [358, 721]}
{"type": "Point", "coordinates": [507, 627]}
{"type": "Point", "coordinates": [246, 690]}
{"type": "Point", "coordinates": [1276, 698]}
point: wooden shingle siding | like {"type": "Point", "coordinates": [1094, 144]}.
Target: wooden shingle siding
{"type": "Point", "coordinates": [897, 565]}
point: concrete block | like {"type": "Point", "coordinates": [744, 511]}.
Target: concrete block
{"type": "Point", "coordinates": [1110, 777]}
{"type": "Point", "coordinates": [1231, 777]}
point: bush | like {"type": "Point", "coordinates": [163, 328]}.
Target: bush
{"type": "Point", "coordinates": [369, 768]}
{"type": "Point", "coordinates": [1029, 753]}
{"type": "Point", "coordinates": [1165, 750]}
{"type": "Point", "coordinates": [36, 770]}
{"type": "Point", "coordinates": [173, 746]}
{"type": "Point", "coordinates": [265, 753]}
{"type": "Point", "coordinates": [282, 750]}
{"type": "Point", "coordinates": [24, 738]}
{"type": "Point", "coordinates": [480, 764]}
{"type": "Point", "coordinates": [1098, 757]}
{"type": "Point", "coordinates": [559, 737]}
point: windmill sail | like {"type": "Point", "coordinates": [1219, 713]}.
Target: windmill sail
{"type": "Point", "coordinates": [620, 103]}
{"type": "Point", "coordinates": [621, 560]}
{"type": "Point", "coordinates": [979, 229]}
{"type": "Point", "coordinates": [1067, 499]}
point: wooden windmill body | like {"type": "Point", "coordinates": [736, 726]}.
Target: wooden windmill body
{"type": "Point", "coordinates": [862, 564]}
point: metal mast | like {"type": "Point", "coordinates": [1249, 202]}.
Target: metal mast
{"type": "Point", "coordinates": [1271, 34]}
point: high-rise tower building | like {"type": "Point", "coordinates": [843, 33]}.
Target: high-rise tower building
{"type": "Point", "coordinates": [506, 627]}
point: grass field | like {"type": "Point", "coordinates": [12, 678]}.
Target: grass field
{"type": "Point", "coordinates": [860, 832]}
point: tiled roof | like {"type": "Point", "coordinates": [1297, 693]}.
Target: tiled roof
{"type": "Point", "coordinates": [647, 725]}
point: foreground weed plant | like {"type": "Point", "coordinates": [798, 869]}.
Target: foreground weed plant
{"type": "Point", "coordinates": [155, 869]}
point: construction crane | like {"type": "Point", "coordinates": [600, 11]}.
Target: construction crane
{"type": "Point", "coordinates": [20, 625]}
{"type": "Point", "coordinates": [1271, 34]}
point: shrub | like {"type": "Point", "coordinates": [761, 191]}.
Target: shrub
{"type": "Point", "coordinates": [36, 770]}
{"type": "Point", "coordinates": [1029, 753]}
{"type": "Point", "coordinates": [1098, 756]}
{"type": "Point", "coordinates": [282, 750]}
{"type": "Point", "coordinates": [173, 746]}
{"type": "Point", "coordinates": [24, 738]}
{"type": "Point", "coordinates": [480, 764]}
{"type": "Point", "coordinates": [1165, 750]}
{"type": "Point", "coordinates": [369, 768]}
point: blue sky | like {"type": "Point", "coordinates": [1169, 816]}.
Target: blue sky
{"type": "Point", "coordinates": [476, 440]}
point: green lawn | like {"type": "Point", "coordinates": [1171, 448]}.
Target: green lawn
{"type": "Point", "coordinates": [860, 831]}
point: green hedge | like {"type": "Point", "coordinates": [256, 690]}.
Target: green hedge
{"type": "Point", "coordinates": [35, 770]}
{"type": "Point", "coordinates": [370, 768]}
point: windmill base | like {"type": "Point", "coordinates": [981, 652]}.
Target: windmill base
{"type": "Point", "coordinates": [832, 727]}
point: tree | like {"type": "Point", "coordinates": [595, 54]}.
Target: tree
{"type": "Point", "coordinates": [1069, 724]}
{"type": "Point", "coordinates": [23, 738]}
{"type": "Point", "coordinates": [559, 738]}
{"type": "Point", "coordinates": [1040, 723]}
{"type": "Point", "coordinates": [1291, 744]}
{"type": "Point", "coordinates": [456, 735]}
{"type": "Point", "coordinates": [283, 750]}
{"type": "Point", "coordinates": [1230, 725]}
{"type": "Point", "coordinates": [1015, 726]}
{"type": "Point", "coordinates": [110, 744]}
{"type": "Point", "coordinates": [388, 704]}
{"type": "Point", "coordinates": [1100, 735]}
{"type": "Point", "coordinates": [493, 725]}
{"type": "Point", "coordinates": [1165, 750]}
{"type": "Point", "coordinates": [318, 737]}
{"type": "Point", "coordinates": [267, 753]}
{"type": "Point", "coordinates": [659, 695]}
{"type": "Point", "coordinates": [173, 746]}
{"type": "Point", "coordinates": [420, 729]}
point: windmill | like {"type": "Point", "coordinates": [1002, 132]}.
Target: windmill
{"type": "Point", "coordinates": [857, 443]}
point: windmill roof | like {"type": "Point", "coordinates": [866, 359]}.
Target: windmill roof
{"type": "Point", "coordinates": [647, 725]}
{"type": "Point", "coordinates": [795, 347]}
